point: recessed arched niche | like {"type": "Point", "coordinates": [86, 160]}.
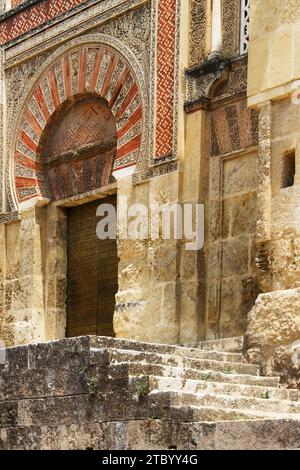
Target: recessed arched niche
{"type": "Point", "coordinates": [78, 147]}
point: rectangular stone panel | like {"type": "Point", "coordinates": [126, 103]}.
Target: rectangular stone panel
{"type": "Point", "coordinates": [239, 174]}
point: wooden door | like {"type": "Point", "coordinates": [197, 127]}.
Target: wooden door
{"type": "Point", "coordinates": [92, 274]}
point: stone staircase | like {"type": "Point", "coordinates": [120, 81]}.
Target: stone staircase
{"type": "Point", "coordinates": [102, 393]}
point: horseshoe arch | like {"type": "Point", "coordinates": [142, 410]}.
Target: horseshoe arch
{"type": "Point", "coordinates": [94, 68]}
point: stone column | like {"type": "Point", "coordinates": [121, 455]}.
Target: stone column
{"type": "Point", "coordinates": [297, 162]}
{"type": "Point", "coordinates": [264, 190]}
{"type": "Point", "coordinates": [25, 281]}
{"type": "Point", "coordinates": [192, 269]}
{"type": "Point", "coordinates": [6, 334]}
{"type": "Point", "coordinates": [264, 194]}
{"type": "Point", "coordinates": [55, 252]}
{"type": "Point", "coordinates": [216, 29]}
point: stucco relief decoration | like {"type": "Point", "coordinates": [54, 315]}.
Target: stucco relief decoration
{"type": "Point", "coordinates": [87, 72]}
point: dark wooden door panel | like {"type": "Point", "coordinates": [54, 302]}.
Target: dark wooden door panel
{"type": "Point", "coordinates": [92, 274]}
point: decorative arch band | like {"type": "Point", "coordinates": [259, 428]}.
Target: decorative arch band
{"type": "Point", "coordinates": [87, 69]}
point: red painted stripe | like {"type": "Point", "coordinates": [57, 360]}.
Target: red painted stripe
{"type": "Point", "coordinates": [53, 88]}
{"type": "Point", "coordinates": [165, 76]}
{"type": "Point", "coordinates": [67, 76]}
{"type": "Point", "coordinates": [28, 141]}
{"type": "Point", "coordinates": [123, 76]}
{"type": "Point", "coordinates": [110, 71]}
{"type": "Point", "coordinates": [95, 73]}
{"type": "Point", "coordinates": [41, 102]}
{"type": "Point", "coordinates": [129, 146]}
{"type": "Point", "coordinates": [27, 162]}
{"type": "Point", "coordinates": [31, 119]}
{"type": "Point", "coordinates": [82, 71]}
{"type": "Point", "coordinates": [27, 182]}
{"type": "Point", "coordinates": [123, 166]}
{"type": "Point", "coordinates": [129, 97]}
{"type": "Point", "coordinates": [134, 118]}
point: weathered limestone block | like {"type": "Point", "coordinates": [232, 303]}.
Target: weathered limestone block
{"type": "Point", "coordinates": [249, 292]}
{"type": "Point", "coordinates": [147, 299]}
{"type": "Point", "coordinates": [235, 256]}
{"type": "Point", "coordinates": [163, 260]}
{"type": "Point", "coordinates": [9, 273]}
{"type": "Point", "coordinates": [192, 318]}
{"type": "Point", "coordinates": [12, 244]}
{"type": "Point", "coordinates": [284, 264]}
{"type": "Point", "coordinates": [273, 335]}
{"type": "Point", "coordinates": [239, 175]}
{"type": "Point", "coordinates": [239, 215]}
{"type": "Point", "coordinates": [56, 273]}
{"type": "Point", "coordinates": [148, 314]}
{"type": "Point", "coordinates": [273, 49]}
{"type": "Point", "coordinates": [230, 298]}
{"type": "Point", "coordinates": [216, 230]}
{"type": "Point", "coordinates": [234, 327]}
{"type": "Point", "coordinates": [244, 435]}
{"type": "Point", "coordinates": [5, 333]}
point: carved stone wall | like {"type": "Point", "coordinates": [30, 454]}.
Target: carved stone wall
{"type": "Point", "coordinates": [91, 69]}
{"type": "Point", "coordinates": [233, 286]}
{"type": "Point", "coordinates": [17, 80]}
{"type": "Point", "coordinates": [278, 229]}
{"type": "Point", "coordinates": [198, 31]}
{"type": "Point", "coordinates": [47, 75]}
{"type": "Point", "coordinates": [133, 28]}
{"type": "Point", "coordinates": [230, 286]}
{"type": "Point", "coordinates": [33, 279]}
{"type": "Point", "coordinates": [231, 28]}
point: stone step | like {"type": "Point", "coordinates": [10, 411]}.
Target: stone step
{"type": "Point", "coordinates": [230, 345]}
{"type": "Point", "coordinates": [231, 389]}
{"type": "Point", "coordinates": [262, 434]}
{"type": "Point", "coordinates": [32, 383]}
{"type": "Point", "coordinates": [104, 342]}
{"type": "Point", "coordinates": [76, 380]}
{"type": "Point", "coordinates": [138, 368]}
{"type": "Point", "coordinates": [101, 385]}
{"type": "Point", "coordinates": [118, 355]}
{"type": "Point", "coordinates": [153, 434]}
{"type": "Point", "coordinates": [249, 404]}
{"type": "Point", "coordinates": [192, 413]}
{"type": "Point", "coordinates": [199, 413]}
{"type": "Point", "coordinates": [95, 407]}
{"type": "Point", "coordinates": [82, 351]}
